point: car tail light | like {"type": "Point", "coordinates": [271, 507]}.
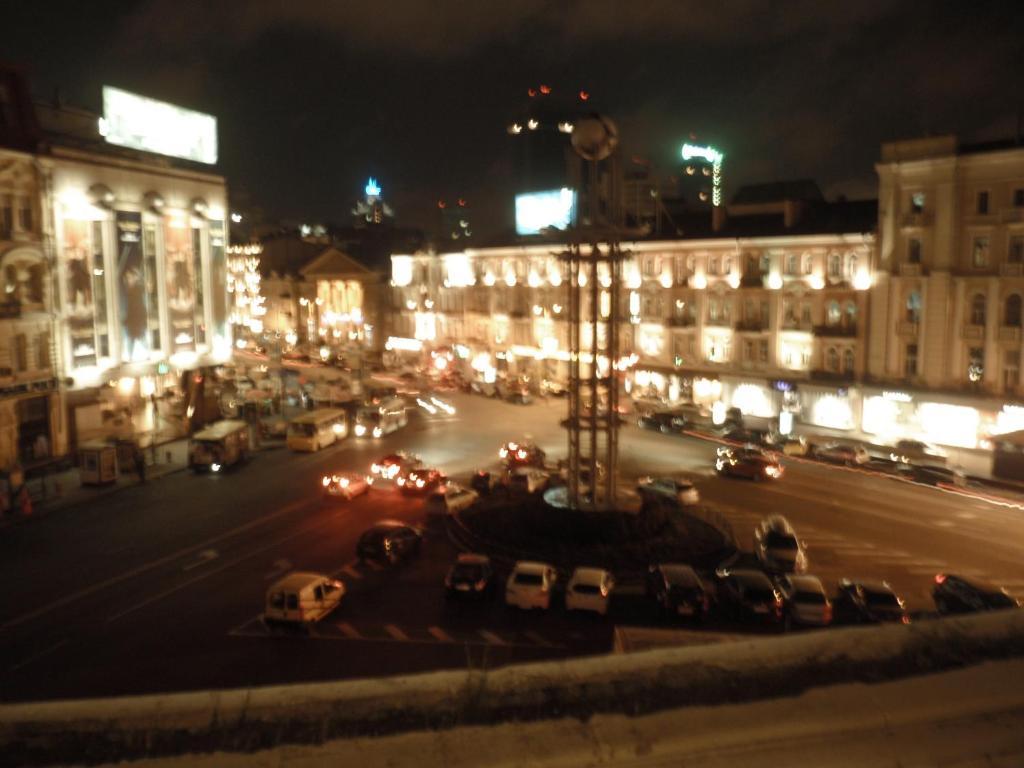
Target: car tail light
{"type": "Point", "coordinates": [604, 590]}
{"type": "Point", "coordinates": [826, 614]}
{"type": "Point", "coordinates": [940, 578]}
{"type": "Point", "coordinates": [905, 619]}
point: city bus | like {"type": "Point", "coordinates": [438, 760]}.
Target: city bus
{"type": "Point", "coordinates": [381, 419]}
{"type": "Point", "coordinates": [218, 446]}
{"type": "Point", "coordinates": [317, 429]}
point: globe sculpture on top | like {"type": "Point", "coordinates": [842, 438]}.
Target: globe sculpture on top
{"type": "Point", "coordinates": [595, 137]}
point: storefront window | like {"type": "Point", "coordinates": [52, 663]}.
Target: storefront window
{"type": "Point", "coordinates": [197, 273]}
{"type": "Point", "coordinates": [218, 281]}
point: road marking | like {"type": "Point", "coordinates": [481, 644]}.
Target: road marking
{"type": "Point", "coordinates": [281, 567]}
{"type": "Point", "coordinates": [490, 637]}
{"type": "Point", "coordinates": [395, 632]}
{"type": "Point", "coordinates": [440, 634]}
{"type": "Point", "coordinates": [350, 570]}
{"type": "Point", "coordinates": [38, 654]}
{"type": "Point", "coordinates": [348, 630]}
{"type": "Point", "coordinates": [215, 571]}
{"type": "Point", "coordinates": [49, 607]}
{"type": "Point", "coordinates": [201, 559]}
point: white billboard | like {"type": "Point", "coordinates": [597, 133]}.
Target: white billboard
{"type": "Point", "coordinates": [138, 122]}
{"type": "Point", "coordinates": [539, 210]}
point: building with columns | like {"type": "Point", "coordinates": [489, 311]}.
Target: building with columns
{"type": "Point", "coordinates": [945, 344]}
{"type": "Point", "coordinates": [762, 308]}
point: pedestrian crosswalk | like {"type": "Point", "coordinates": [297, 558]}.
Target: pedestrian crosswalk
{"type": "Point", "coordinates": [372, 632]}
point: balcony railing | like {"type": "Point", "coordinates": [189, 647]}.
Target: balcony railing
{"type": "Point", "coordinates": [906, 328]}
{"type": "Point", "coordinates": [681, 322]}
{"type": "Point", "coordinates": [1009, 333]}
{"type": "Point", "coordinates": [910, 270]}
{"type": "Point", "coordinates": [842, 330]}
{"type": "Point", "coordinates": [972, 331]}
{"type": "Point", "coordinates": [832, 376]}
{"type": "Point", "coordinates": [754, 325]}
{"type": "Point", "coordinates": [752, 280]}
{"type": "Point", "coordinates": [1011, 269]}
{"type": "Point", "coordinates": [797, 325]}
{"type": "Point", "coordinates": [916, 219]}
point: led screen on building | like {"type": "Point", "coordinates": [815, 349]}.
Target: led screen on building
{"type": "Point", "coordinates": [138, 122]}
{"type": "Point", "coordinates": [538, 210]}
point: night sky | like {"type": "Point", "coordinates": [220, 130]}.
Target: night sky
{"type": "Point", "coordinates": [314, 97]}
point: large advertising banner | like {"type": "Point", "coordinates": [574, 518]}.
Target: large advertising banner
{"type": "Point", "coordinates": [131, 288]}
{"type": "Point", "coordinates": [80, 305]}
{"type": "Point", "coordinates": [180, 286]}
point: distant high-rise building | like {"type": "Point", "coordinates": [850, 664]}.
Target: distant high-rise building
{"type": "Point", "coordinates": [372, 210]}
{"type": "Point", "coordinates": [455, 220]}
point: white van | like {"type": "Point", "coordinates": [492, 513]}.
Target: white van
{"type": "Point", "coordinates": [317, 429]}
{"type": "Point", "coordinates": [302, 598]}
{"type": "Point", "coordinates": [382, 419]}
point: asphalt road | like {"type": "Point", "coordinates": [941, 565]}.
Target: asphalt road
{"type": "Point", "coordinates": [160, 587]}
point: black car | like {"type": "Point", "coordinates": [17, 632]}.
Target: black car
{"type": "Point", "coordinates": [677, 590]}
{"type": "Point", "coordinates": [932, 475]}
{"type": "Point", "coordinates": [868, 602]}
{"type": "Point", "coordinates": [749, 595]}
{"type": "Point", "coordinates": [470, 576]}
{"type": "Point", "coordinates": [389, 541]}
{"type": "Point", "coordinates": [667, 422]}
{"type": "Point", "coordinates": [956, 594]}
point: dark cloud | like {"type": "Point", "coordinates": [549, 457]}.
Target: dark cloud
{"type": "Point", "coordinates": [314, 97]}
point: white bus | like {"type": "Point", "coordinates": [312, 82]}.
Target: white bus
{"type": "Point", "coordinates": [317, 429]}
{"type": "Point", "coordinates": [219, 445]}
{"type": "Point", "coordinates": [382, 419]}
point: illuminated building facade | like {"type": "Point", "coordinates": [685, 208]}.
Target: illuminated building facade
{"type": "Point", "coordinates": [32, 428]}
{"type": "Point", "coordinates": [140, 267]}
{"type": "Point", "coordinates": [946, 315]}
{"type": "Point", "coordinates": [768, 323]}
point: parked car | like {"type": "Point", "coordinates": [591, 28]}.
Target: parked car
{"type": "Point", "coordinates": [868, 602]}
{"type": "Point", "coordinates": [515, 390]}
{"type": "Point", "coordinates": [302, 598]}
{"type": "Point", "coordinates": [918, 452]}
{"type": "Point", "coordinates": [530, 584]}
{"type": "Point", "coordinates": [666, 422]}
{"type": "Point", "coordinates": [420, 481]}
{"type": "Point", "coordinates": [841, 453]}
{"type": "Point", "coordinates": [682, 491]}
{"type": "Point", "coordinates": [391, 466]}
{"type": "Point", "coordinates": [805, 601]}
{"type": "Point", "coordinates": [389, 541]}
{"type": "Point", "coordinates": [448, 499]}
{"type": "Point", "coordinates": [483, 482]}
{"type": "Point", "coordinates": [957, 594]}
{"type": "Point", "coordinates": [790, 445]}
{"type": "Point", "coordinates": [777, 547]}
{"type": "Point", "coordinates": [749, 595]}
{"type": "Point", "coordinates": [521, 453]}
{"type": "Point", "coordinates": [470, 576]}
{"type": "Point", "coordinates": [752, 463]}
{"type": "Point", "coordinates": [344, 485]}
{"type": "Point", "coordinates": [527, 480]}
{"type": "Point", "coordinates": [589, 589]}
{"type": "Point", "coordinates": [553, 387]}
{"type": "Point", "coordinates": [740, 435]}
{"type": "Point", "coordinates": [677, 590]}
{"type": "Point", "coordinates": [932, 475]}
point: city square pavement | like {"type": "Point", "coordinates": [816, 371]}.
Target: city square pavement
{"type": "Point", "coordinates": [161, 586]}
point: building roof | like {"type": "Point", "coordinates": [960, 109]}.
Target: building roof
{"type": "Point", "coordinates": [778, 191]}
{"type": "Point", "coordinates": [286, 256]}
{"type": "Point", "coordinates": [333, 263]}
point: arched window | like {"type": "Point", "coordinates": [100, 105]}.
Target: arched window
{"type": "Point", "coordinates": [851, 266]}
{"type": "Point", "coordinates": [790, 264]}
{"type": "Point", "coordinates": [712, 310]}
{"type": "Point", "coordinates": [835, 266]}
{"type": "Point", "coordinates": [806, 263]}
{"type": "Point", "coordinates": [851, 314]}
{"type": "Point", "coordinates": [832, 316]}
{"type": "Point", "coordinates": [832, 359]}
{"type": "Point", "coordinates": [978, 309]}
{"type": "Point", "coordinates": [913, 307]}
{"type": "Point", "coordinates": [848, 361]}
{"type": "Point", "coordinates": [1011, 313]}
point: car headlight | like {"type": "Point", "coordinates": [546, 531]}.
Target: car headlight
{"type": "Point", "coordinates": [377, 432]}
{"type": "Point", "coordinates": [326, 481]}
{"type": "Point", "coordinates": [360, 430]}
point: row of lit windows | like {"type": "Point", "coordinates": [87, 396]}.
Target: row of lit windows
{"type": "Point", "coordinates": [980, 255]}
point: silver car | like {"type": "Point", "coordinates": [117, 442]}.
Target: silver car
{"type": "Point", "coordinates": [806, 602]}
{"type": "Point", "coordinates": [777, 547]}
